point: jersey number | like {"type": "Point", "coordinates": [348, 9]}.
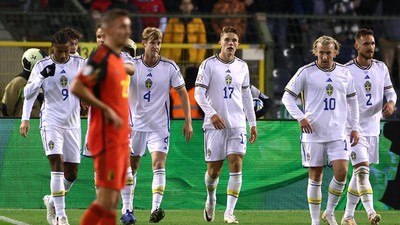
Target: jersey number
{"type": "Point", "coordinates": [330, 104]}
{"type": "Point", "coordinates": [228, 91]}
{"type": "Point", "coordinates": [369, 96]}
{"type": "Point", "coordinates": [65, 94]}
{"type": "Point", "coordinates": [147, 96]}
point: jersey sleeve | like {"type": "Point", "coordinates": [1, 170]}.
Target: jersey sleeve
{"type": "Point", "coordinates": [177, 80]}
{"type": "Point", "coordinates": [387, 82]}
{"type": "Point", "coordinates": [126, 58]}
{"type": "Point", "coordinates": [246, 82]}
{"type": "Point", "coordinates": [203, 78]}
{"type": "Point", "coordinates": [34, 84]}
{"type": "Point", "coordinates": [351, 88]}
{"type": "Point", "coordinates": [93, 72]}
{"type": "Point", "coordinates": [297, 83]}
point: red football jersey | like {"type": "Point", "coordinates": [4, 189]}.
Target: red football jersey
{"type": "Point", "coordinates": [105, 75]}
{"type": "Point", "coordinates": [150, 6]}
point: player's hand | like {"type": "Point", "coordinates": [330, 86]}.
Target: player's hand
{"type": "Point", "coordinates": [253, 134]}
{"type": "Point", "coordinates": [354, 137]}
{"type": "Point", "coordinates": [84, 108]}
{"type": "Point", "coordinates": [112, 117]}
{"type": "Point", "coordinates": [218, 122]}
{"type": "Point", "coordinates": [388, 109]}
{"type": "Point", "coordinates": [49, 70]}
{"type": "Point", "coordinates": [24, 128]}
{"type": "Point", "coordinates": [187, 131]}
{"type": "Point", "coordinates": [305, 126]}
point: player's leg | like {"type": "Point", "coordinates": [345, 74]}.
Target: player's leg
{"type": "Point", "coordinates": [214, 154]}
{"type": "Point", "coordinates": [110, 167]}
{"type": "Point", "coordinates": [373, 152]}
{"type": "Point", "coordinates": [236, 149]}
{"type": "Point", "coordinates": [52, 139]}
{"type": "Point", "coordinates": [338, 157]}
{"type": "Point", "coordinates": [72, 157]}
{"type": "Point", "coordinates": [314, 158]}
{"type": "Point", "coordinates": [158, 145]}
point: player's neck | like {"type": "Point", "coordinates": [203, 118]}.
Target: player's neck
{"type": "Point", "coordinates": [151, 60]}
{"type": "Point", "coordinates": [363, 61]}
{"type": "Point", "coordinates": [226, 57]}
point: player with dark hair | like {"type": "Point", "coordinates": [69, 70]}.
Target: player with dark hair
{"type": "Point", "coordinates": [60, 121]}
{"type": "Point", "coordinates": [372, 81]}
{"type": "Point", "coordinates": [103, 85]}
{"type": "Point", "coordinates": [223, 92]}
{"type": "Point", "coordinates": [74, 38]}
{"type": "Point", "coordinates": [327, 90]}
{"type": "Point", "coordinates": [13, 98]}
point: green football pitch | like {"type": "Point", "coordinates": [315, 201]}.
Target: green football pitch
{"type": "Point", "coordinates": [194, 217]}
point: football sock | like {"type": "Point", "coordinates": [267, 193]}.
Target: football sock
{"type": "Point", "coordinates": [314, 196]}
{"type": "Point", "coordinates": [233, 190]}
{"type": "Point", "coordinates": [96, 215]}
{"type": "Point", "coordinates": [352, 197]}
{"type": "Point", "coordinates": [211, 186]}
{"type": "Point", "coordinates": [58, 193]}
{"type": "Point", "coordinates": [158, 187]}
{"type": "Point", "coordinates": [365, 189]}
{"type": "Point", "coordinates": [335, 191]}
{"type": "Point", "coordinates": [127, 193]}
{"type": "Point", "coordinates": [68, 185]}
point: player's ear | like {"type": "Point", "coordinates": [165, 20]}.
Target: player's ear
{"type": "Point", "coordinates": [356, 45]}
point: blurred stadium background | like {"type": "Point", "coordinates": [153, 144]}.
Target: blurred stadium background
{"type": "Point", "coordinates": [277, 41]}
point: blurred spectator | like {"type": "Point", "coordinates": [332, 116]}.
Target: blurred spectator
{"type": "Point", "coordinates": [185, 30]}
{"type": "Point", "coordinates": [252, 7]}
{"type": "Point", "coordinates": [176, 104]}
{"type": "Point", "coordinates": [100, 6]}
{"type": "Point", "coordinates": [229, 7]}
{"type": "Point", "coordinates": [154, 7]}
{"type": "Point", "coordinates": [205, 6]}
{"type": "Point", "coordinates": [311, 28]}
{"type": "Point", "coordinates": [344, 29]}
{"type": "Point", "coordinates": [389, 41]}
{"type": "Point", "coordinates": [172, 6]}
{"type": "Point", "coordinates": [278, 26]}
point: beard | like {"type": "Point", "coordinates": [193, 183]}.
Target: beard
{"type": "Point", "coordinates": [367, 55]}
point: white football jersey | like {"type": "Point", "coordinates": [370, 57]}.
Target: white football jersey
{"type": "Point", "coordinates": [224, 82]}
{"type": "Point", "coordinates": [149, 87]}
{"type": "Point", "coordinates": [370, 83]}
{"type": "Point", "coordinates": [60, 107]}
{"type": "Point", "coordinates": [324, 94]}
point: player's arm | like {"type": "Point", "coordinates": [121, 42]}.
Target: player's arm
{"type": "Point", "coordinates": [247, 100]}
{"type": "Point", "coordinates": [354, 112]}
{"type": "Point", "coordinates": [128, 63]}
{"type": "Point", "coordinates": [391, 98]}
{"type": "Point", "coordinates": [184, 97]}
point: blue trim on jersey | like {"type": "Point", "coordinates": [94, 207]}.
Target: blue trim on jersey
{"type": "Point", "coordinates": [173, 64]}
{"type": "Point", "coordinates": [305, 67]}
{"type": "Point", "coordinates": [166, 109]}
{"type": "Point", "coordinates": [206, 61]}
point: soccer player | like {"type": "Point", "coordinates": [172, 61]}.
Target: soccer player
{"type": "Point", "coordinates": [149, 105]}
{"type": "Point", "coordinates": [327, 90]}
{"type": "Point", "coordinates": [60, 121]}
{"type": "Point", "coordinates": [74, 38]}
{"type": "Point", "coordinates": [223, 92]}
{"type": "Point", "coordinates": [372, 81]}
{"type": "Point", "coordinates": [103, 85]}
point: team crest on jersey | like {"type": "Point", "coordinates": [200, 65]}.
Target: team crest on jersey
{"type": "Point", "coordinates": [228, 79]}
{"type": "Point", "coordinates": [64, 81]}
{"type": "Point", "coordinates": [51, 145]}
{"type": "Point", "coordinates": [329, 89]}
{"type": "Point", "coordinates": [368, 86]}
{"type": "Point", "coordinates": [148, 83]}
{"type": "Point", "coordinates": [353, 156]}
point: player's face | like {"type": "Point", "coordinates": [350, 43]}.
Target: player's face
{"type": "Point", "coordinates": [119, 31]}
{"type": "Point", "coordinates": [229, 42]}
{"type": "Point", "coordinates": [99, 36]}
{"type": "Point", "coordinates": [365, 46]}
{"type": "Point", "coordinates": [61, 52]}
{"type": "Point", "coordinates": [73, 46]}
{"type": "Point", "coordinates": [325, 55]}
{"type": "Point", "coordinates": [152, 47]}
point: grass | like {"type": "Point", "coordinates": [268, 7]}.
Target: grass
{"type": "Point", "coordinates": [195, 217]}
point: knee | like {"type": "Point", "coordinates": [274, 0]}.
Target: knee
{"type": "Point", "coordinates": [341, 175]}
{"type": "Point", "coordinates": [235, 166]}
{"type": "Point", "coordinates": [213, 173]}
{"type": "Point", "coordinates": [158, 164]}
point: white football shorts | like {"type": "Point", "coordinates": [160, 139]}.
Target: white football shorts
{"type": "Point", "coordinates": [218, 144]}
{"type": "Point", "coordinates": [62, 141]}
{"type": "Point", "coordinates": [314, 154]}
{"type": "Point", "coordinates": [154, 141]}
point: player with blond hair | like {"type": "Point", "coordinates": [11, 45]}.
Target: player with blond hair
{"type": "Point", "coordinates": [327, 90]}
{"type": "Point", "coordinates": [372, 81]}
{"type": "Point", "coordinates": [223, 93]}
{"type": "Point", "coordinates": [149, 104]}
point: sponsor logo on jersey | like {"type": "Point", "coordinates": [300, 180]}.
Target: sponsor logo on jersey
{"type": "Point", "coordinates": [64, 81]}
{"type": "Point", "coordinates": [367, 77]}
{"type": "Point", "coordinates": [329, 80]}
{"type": "Point", "coordinates": [228, 71]}
{"type": "Point", "coordinates": [149, 75]}
{"type": "Point", "coordinates": [51, 145]}
{"type": "Point", "coordinates": [228, 79]}
{"type": "Point", "coordinates": [353, 156]}
{"type": "Point", "coordinates": [148, 83]}
{"type": "Point", "coordinates": [368, 86]}
{"type": "Point", "coordinates": [63, 71]}
{"type": "Point", "coordinates": [329, 89]}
